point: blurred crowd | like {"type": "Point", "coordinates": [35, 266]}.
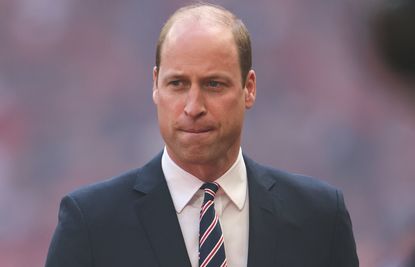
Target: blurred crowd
{"type": "Point", "coordinates": [336, 100]}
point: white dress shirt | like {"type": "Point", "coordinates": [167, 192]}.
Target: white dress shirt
{"type": "Point", "coordinates": [231, 205]}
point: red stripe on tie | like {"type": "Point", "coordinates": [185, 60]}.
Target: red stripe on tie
{"type": "Point", "coordinates": [209, 230]}
{"type": "Point", "coordinates": [210, 192]}
{"type": "Point", "coordinates": [211, 241]}
{"type": "Point", "coordinates": [213, 252]}
{"type": "Point", "coordinates": [205, 208]}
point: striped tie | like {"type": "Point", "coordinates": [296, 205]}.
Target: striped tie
{"type": "Point", "coordinates": [211, 247]}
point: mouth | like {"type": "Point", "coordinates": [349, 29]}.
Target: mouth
{"type": "Point", "coordinates": [196, 131]}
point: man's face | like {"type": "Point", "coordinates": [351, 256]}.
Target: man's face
{"type": "Point", "coordinates": [199, 94]}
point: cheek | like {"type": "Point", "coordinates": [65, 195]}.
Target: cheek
{"type": "Point", "coordinates": [168, 108]}
{"type": "Point", "coordinates": [230, 111]}
{"type": "Point", "coordinates": [165, 121]}
{"type": "Point", "coordinates": [233, 105]}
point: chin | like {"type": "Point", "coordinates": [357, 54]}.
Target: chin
{"type": "Point", "coordinates": [197, 155]}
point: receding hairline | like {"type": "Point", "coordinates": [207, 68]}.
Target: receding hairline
{"type": "Point", "coordinates": [215, 16]}
{"type": "Point", "coordinates": [201, 13]}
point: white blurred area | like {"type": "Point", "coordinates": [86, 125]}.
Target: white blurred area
{"type": "Point", "coordinates": [75, 108]}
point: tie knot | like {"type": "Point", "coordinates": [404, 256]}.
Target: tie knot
{"type": "Point", "coordinates": [210, 188]}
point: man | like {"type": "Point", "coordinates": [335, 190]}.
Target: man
{"type": "Point", "coordinates": [201, 202]}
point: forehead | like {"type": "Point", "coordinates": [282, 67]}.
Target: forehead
{"type": "Point", "coordinates": [195, 32]}
{"type": "Point", "coordinates": [188, 23]}
{"type": "Point", "coordinates": [191, 40]}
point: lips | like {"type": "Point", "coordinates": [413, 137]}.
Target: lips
{"type": "Point", "coordinates": [196, 131]}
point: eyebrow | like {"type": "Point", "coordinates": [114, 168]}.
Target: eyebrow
{"type": "Point", "coordinates": [225, 78]}
{"type": "Point", "coordinates": [174, 76]}
{"type": "Point", "coordinates": [213, 76]}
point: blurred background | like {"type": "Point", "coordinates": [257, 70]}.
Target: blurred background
{"type": "Point", "coordinates": [336, 100]}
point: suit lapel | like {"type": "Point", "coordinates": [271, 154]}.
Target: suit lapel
{"type": "Point", "coordinates": [158, 217]}
{"type": "Point", "coordinates": [263, 219]}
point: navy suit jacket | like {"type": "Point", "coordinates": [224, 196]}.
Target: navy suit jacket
{"type": "Point", "coordinates": [130, 221]}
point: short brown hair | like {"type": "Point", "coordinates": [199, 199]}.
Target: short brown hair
{"type": "Point", "coordinates": [220, 15]}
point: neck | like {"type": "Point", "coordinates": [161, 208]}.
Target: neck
{"type": "Point", "coordinates": [208, 171]}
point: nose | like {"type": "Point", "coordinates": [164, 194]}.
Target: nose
{"type": "Point", "coordinates": [195, 102]}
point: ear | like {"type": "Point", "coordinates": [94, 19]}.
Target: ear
{"type": "Point", "coordinates": [155, 86]}
{"type": "Point", "coordinates": [250, 89]}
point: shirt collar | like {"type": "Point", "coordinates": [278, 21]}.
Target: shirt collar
{"type": "Point", "coordinates": [183, 185]}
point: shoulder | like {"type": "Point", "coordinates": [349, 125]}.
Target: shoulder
{"type": "Point", "coordinates": [311, 213]}
{"type": "Point", "coordinates": [295, 189]}
{"type": "Point", "coordinates": [121, 186]}
{"type": "Point", "coordinates": [106, 192]}
{"type": "Point", "coordinates": [269, 175]}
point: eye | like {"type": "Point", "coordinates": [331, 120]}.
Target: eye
{"type": "Point", "coordinates": [213, 84]}
{"type": "Point", "coordinates": [175, 83]}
